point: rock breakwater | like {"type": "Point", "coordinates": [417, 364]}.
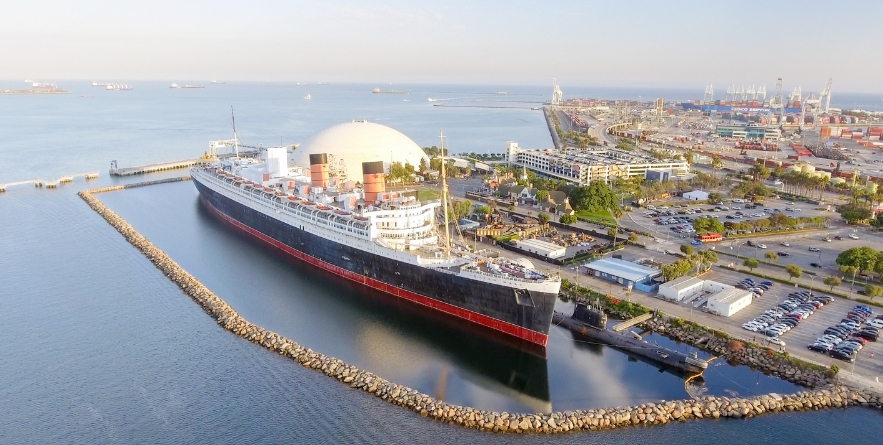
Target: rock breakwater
{"type": "Point", "coordinates": [569, 421]}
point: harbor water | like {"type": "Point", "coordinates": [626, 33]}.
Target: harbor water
{"type": "Point", "coordinates": [100, 347]}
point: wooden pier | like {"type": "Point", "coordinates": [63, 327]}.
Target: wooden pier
{"type": "Point", "coordinates": [49, 184]}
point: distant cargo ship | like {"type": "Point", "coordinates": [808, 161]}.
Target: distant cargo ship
{"type": "Point", "coordinates": [175, 85]}
{"type": "Point", "coordinates": [118, 87]}
{"type": "Point", "coordinates": [378, 91]}
{"type": "Point", "coordinates": [39, 88]}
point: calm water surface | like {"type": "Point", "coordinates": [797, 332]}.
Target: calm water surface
{"type": "Point", "coordinates": [99, 347]}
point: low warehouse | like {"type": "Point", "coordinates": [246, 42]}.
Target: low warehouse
{"type": "Point", "coordinates": [541, 248]}
{"type": "Point", "coordinates": [729, 301]}
{"type": "Point", "coordinates": [622, 272]}
{"type": "Point", "coordinates": [680, 288]}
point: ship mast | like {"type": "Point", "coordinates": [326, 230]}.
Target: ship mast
{"type": "Point", "coordinates": [235, 137]}
{"type": "Point", "coordinates": [445, 194]}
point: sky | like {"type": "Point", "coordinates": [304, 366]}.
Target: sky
{"type": "Point", "coordinates": [673, 43]}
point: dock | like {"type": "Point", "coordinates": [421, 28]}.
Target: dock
{"type": "Point", "coordinates": [48, 184]}
{"type": "Point", "coordinates": [151, 168]}
{"type": "Point", "coordinates": [172, 165]}
{"type": "Point", "coordinates": [631, 322]}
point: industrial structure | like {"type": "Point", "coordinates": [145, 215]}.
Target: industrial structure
{"type": "Point", "coordinates": [557, 95]}
{"type": "Point", "coordinates": [583, 165]}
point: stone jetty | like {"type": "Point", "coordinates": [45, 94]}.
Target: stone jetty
{"type": "Point", "coordinates": [658, 413]}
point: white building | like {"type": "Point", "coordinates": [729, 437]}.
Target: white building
{"type": "Point", "coordinates": [729, 301]}
{"type": "Point", "coordinates": [583, 165]}
{"type": "Point", "coordinates": [687, 287]}
{"type": "Point", "coordinates": [542, 248]}
{"type": "Point", "coordinates": [680, 288]}
{"type": "Point", "coordinates": [696, 195]}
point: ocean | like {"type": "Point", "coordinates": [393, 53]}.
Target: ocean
{"type": "Point", "coordinates": [100, 347]}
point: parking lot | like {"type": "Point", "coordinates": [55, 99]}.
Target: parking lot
{"type": "Point", "coordinates": [805, 333]}
{"type": "Point", "coordinates": [661, 220]}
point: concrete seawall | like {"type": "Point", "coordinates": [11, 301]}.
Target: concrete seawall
{"type": "Point", "coordinates": [578, 420]}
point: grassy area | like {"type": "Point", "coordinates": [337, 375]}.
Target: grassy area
{"type": "Point", "coordinates": [597, 217]}
{"type": "Point", "coordinates": [428, 195]}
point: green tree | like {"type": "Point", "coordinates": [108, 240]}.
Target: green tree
{"type": "Point", "coordinates": [855, 213]}
{"type": "Point", "coordinates": [543, 217]}
{"type": "Point", "coordinates": [706, 258]}
{"type": "Point", "coordinates": [423, 165]}
{"type": "Point", "coordinates": [707, 225]}
{"type": "Point", "coordinates": [772, 256]}
{"type": "Point", "coordinates": [716, 164]}
{"type": "Point", "coordinates": [794, 271]}
{"type": "Point", "coordinates": [567, 219]}
{"type": "Point", "coordinates": [715, 197]}
{"type": "Point", "coordinates": [862, 258]}
{"type": "Point", "coordinates": [483, 210]}
{"type": "Point", "coordinates": [832, 282]}
{"type": "Point", "coordinates": [760, 171]}
{"type": "Point", "coordinates": [687, 249]}
{"type": "Point", "coordinates": [542, 195]}
{"type": "Point", "coordinates": [750, 263]}
{"type": "Point", "coordinates": [612, 231]}
{"type": "Point", "coordinates": [873, 291]}
{"type": "Point", "coordinates": [595, 197]}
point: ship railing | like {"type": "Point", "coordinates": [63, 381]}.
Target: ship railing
{"type": "Point", "coordinates": [274, 202]}
{"type": "Point", "coordinates": [509, 277]}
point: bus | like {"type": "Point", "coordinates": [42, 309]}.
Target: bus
{"type": "Point", "coordinates": [710, 237]}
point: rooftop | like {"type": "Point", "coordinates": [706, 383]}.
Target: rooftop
{"type": "Point", "coordinates": [623, 269]}
{"type": "Point", "coordinates": [728, 295]}
{"type": "Point", "coordinates": [682, 283]}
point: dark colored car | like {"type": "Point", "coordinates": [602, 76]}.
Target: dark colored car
{"type": "Point", "coordinates": [783, 254]}
{"type": "Point", "coordinates": [816, 265]}
{"type": "Point", "coordinates": [868, 335]}
{"type": "Point", "coordinates": [818, 348]}
{"type": "Point", "coordinates": [838, 237]}
{"type": "Point", "coordinates": [843, 355]}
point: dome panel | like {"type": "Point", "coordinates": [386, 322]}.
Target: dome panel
{"type": "Point", "coordinates": [353, 143]}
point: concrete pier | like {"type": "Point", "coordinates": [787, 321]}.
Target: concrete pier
{"type": "Point", "coordinates": [161, 166]}
{"type": "Point", "coordinates": [659, 413]}
{"type": "Point", "coordinates": [48, 184]}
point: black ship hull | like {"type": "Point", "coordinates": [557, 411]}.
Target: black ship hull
{"type": "Point", "coordinates": [493, 306]}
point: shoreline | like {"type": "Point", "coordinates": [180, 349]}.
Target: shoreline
{"type": "Point", "coordinates": [658, 413]}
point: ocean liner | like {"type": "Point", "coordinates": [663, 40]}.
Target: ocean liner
{"type": "Point", "coordinates": [386, 240]}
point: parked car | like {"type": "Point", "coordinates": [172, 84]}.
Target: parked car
{"type": "Point", "coordinates": [815, 249]}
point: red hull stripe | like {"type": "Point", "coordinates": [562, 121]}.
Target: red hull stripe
{"type": "Point", "coordinates": [484, 320]}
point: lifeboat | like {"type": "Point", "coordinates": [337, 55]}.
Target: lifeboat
{"type": "Point", "coordinates": [293, 198]}
{"type": "Point", "coordinates": [309, 203]}
{"type": "Point", "coordinates": [323, 207]}
{"type": "Point", "coordinates": [361, 218]}
{"type": "Point", "coordinates": [279, 193]}
{"type": "Point", "coordinates": [341, 212]}
{"type": "Point", "coordinates": [268, 189]}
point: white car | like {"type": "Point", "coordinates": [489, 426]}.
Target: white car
{"type": "Point", "coordinates": [785, 244]}
{"type": "Point", "coordinates": [875, 323]}
{"type": "Point", "coordinates": [827, 338]}
{"type": "Point", "coordinates": [739, 201]}
{"type": "Point", "coordinates": [762, 246]}
{"type": "Point", "coordinates": [774, 340]}
{"type": "Point", "coordinates": [853, 236]}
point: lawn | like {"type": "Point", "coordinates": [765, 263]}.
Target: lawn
{"type": "Point", "coordinates": [428, 195]}
{"type": "Point", "coordinates": [600, 217]}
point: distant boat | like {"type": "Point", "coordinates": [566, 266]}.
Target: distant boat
{"type": "Point", "coordinates": [502, 93]}
{"type": "Point", "coordinates": [378, 91]}
{"type": "Point", "coordinates": [429, 99]}
{"type": "Point", "coordinates": [174, 85]}
{"type": "Point", "coordinates": [218, 83]}
{"type": "Point", "coordinates": [118, 87]}
{"type": "Point", "coordinates": [406, 100]}
{"type": "Point", "coordinates": [323, 83]}
{"type": "Point", "coordinates": [308, 97]}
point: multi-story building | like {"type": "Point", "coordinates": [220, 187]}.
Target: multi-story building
{"type": "Point", "coordinates": [750, 131]}
{"type": "Point", "coordinates": [583, 165]}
